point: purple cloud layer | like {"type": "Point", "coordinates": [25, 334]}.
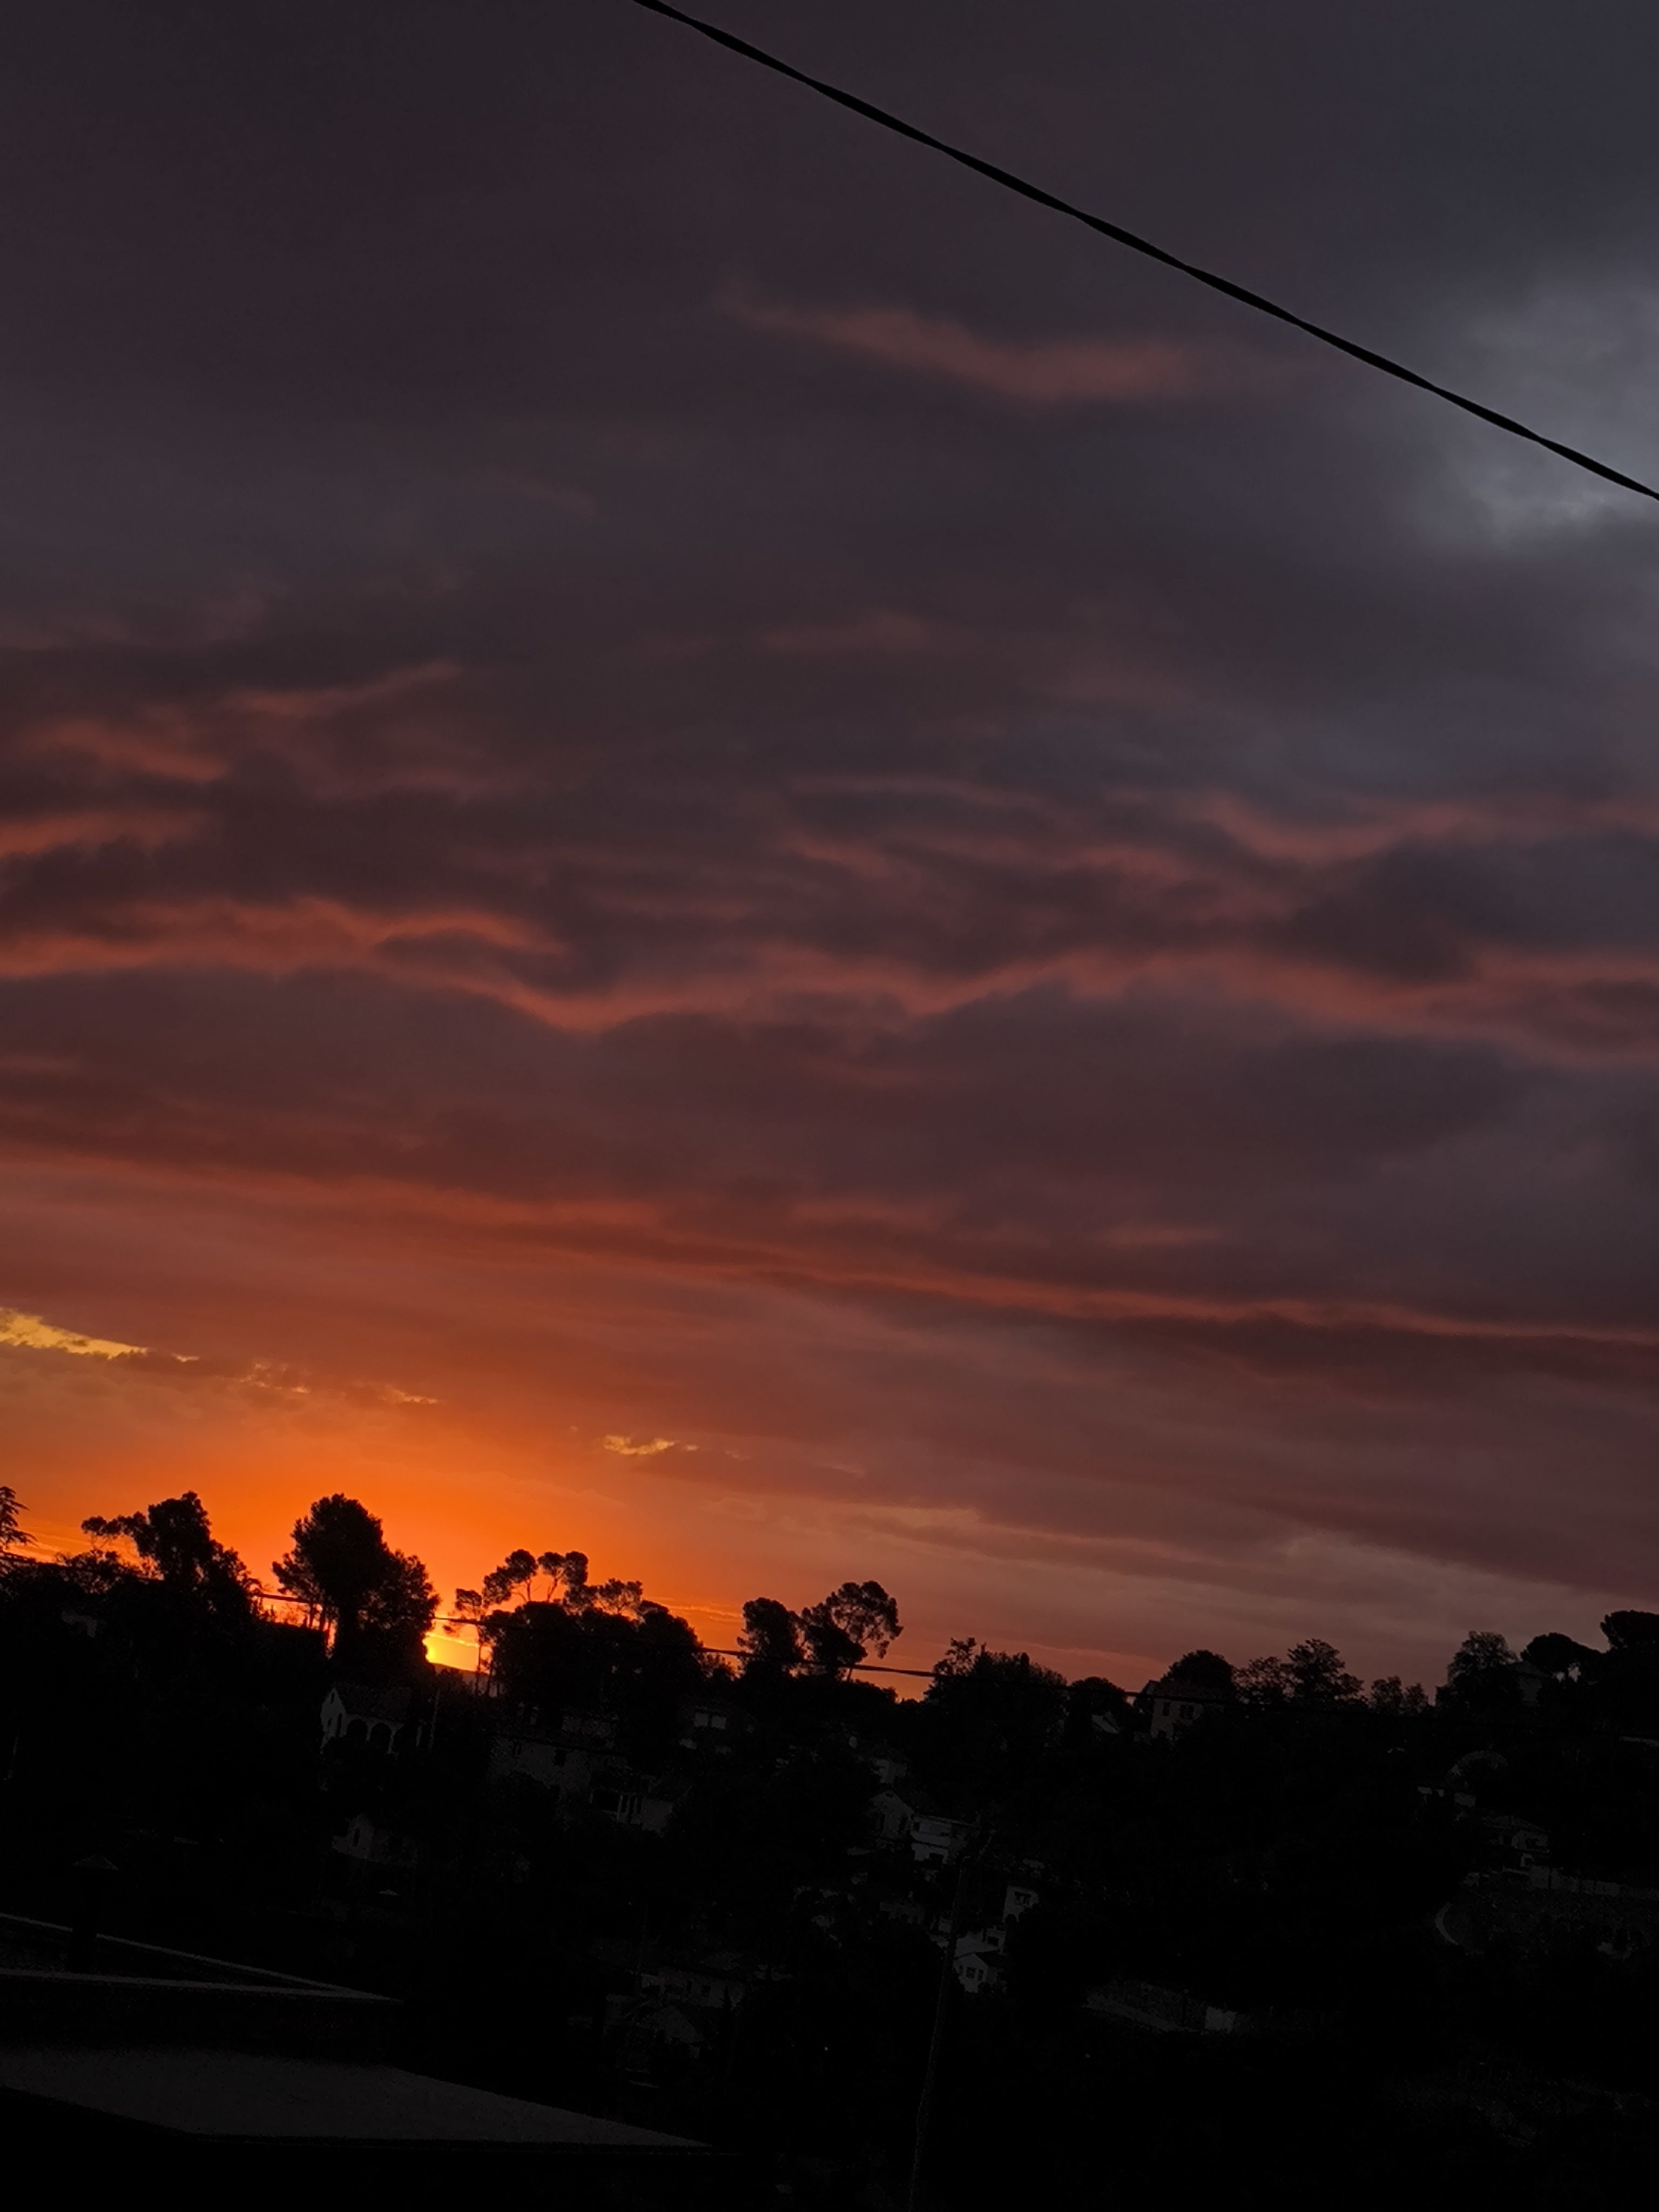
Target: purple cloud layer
{"type": "Point", "coordinates": [855, 830]}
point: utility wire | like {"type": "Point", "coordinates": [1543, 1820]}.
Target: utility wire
{"type": "Point", "coordinates": [1027, 191]}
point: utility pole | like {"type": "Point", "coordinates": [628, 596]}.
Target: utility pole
{"type": "Point", "coordinates": [969, 1864]}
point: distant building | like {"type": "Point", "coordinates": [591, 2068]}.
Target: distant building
{"type": "Point", "coordinates": [912, 1912]}
{"type": "Point", "coordinates": [718, 1980]}
{"type": "Point", "coordinates": [1162, 2011]}
{"type": "Point", "coordinates": [645, 2027]}
{"type": "Point", "coordinates": [684, 2007]}
{"type": "Point", "coordinates": [892, 1767]}
{"type": "Point", "coordinates": [1171, 1705]}
{"type": "Point", "coordinates": [579, 1727]}
{"type": "Point", "coordinates": [1525, 1843]}
{"type": "Point", "coordinates": [906, 1814]}
{"type": "Point", "coordinates": [1537, 1909]}
{"type": "Point", "coordinates": [547, 1761]}
{"type": "Point", "coordinates": [712, 1723]}
{"type": "Point", "coordinates": [575, 1763]}
{"type": "Point", "coordinates": [892, 1814]}
{"type": "Point", "coordinates": [354, 1712]}
{"type": "Point", "coordinates": [978, 1963]}
{"type": "Point", "coordinates": [372, 1844]}
{"type": "Point", "coordinates": [634, 1801]}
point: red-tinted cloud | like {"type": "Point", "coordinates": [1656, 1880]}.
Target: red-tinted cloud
{"type": "Point", "coordinates": [1045, 372]}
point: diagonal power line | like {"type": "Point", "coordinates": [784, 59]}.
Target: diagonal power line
{"type": "Point", "coordinates": [1114, 231]}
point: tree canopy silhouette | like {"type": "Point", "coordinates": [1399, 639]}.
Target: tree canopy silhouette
{"type": "Point", "coordinates": [1481, 1675]}
{"type": "Point", "coordinates": [175, 1541]}
{"type": "Point", "coordinates": [1202, 1670]}
{"type": "Point", "coordinates": [1632, 1631]}
{"type": "Point", "coordinates": [840, 1630]}
{"type": "Point", "coordinates": [13, 1534]}
{"type": "Point", "coordinates": [1564, 1657]}
{"type": "Point", "coordinates": [770, 1638]}
{"type": "Point", "coordinates": [994, 1715]}
{"type": "Point", "coordinates": [376, 1603]}
{"type": "Point", "coordinates": [1312, 1675]}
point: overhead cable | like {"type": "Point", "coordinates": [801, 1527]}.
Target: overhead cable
{"type": "Point", "coordinates": [1138, 245]}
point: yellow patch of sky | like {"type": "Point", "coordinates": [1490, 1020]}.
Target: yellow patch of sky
{"type": "Point", "coordinates": [31, 1334]}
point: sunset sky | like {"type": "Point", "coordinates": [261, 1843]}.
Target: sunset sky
{"type": "Point", "coordinates": [720, 848]}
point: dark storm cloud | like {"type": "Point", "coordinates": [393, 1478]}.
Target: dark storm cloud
{"type": "Point", "coordinates": [601, 660]}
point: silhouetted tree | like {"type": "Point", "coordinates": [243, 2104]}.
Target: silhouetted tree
{"type": "Point", "coordinates": [567, 1578]}
{"type": "Point", "coordinates": [1560, 1655]}
{"type": "Point", "coordinates": [473, 1611]}
{"type": "Point", "coordinates": [1318, 1676]}
{"type": "Point", "coordinates": [13, 1534]}
{"type": "Point", "coordinates": [174, 1540]}
{"type": "Point", "coordinates": [769, 1638]}
{"type": "Point", "coordinates": [1269, 1680]}
{"type": "Point", "coordinates": [378, 1603]}
{"type": "Point", "coordinates": [1636, 1633]}
{"type": "Point", "coordinates": [959, 1655]}
{"type": "Point", "coordinates": [1481, 1675]}
{"type": "Point", "coordinates": [566, 1572]}
{"type": "Point", "coordinates": [1627, 1676]}
{"type": "Point", "coordinates": [94, 1573]}
{"type": "Point", "coordinates": [840, 1630]}
{"type": "Point", "coordinates": [516, 1572]}
{"type": "Point", "coordinates": [636, 1665]}
{"type": "Point", "coordinates": [1389, 1694]}
{"type": "Point", "coordinates": [1312, 1675]}
{"type": "Point", "coordinates": [617, 1595]}
{"type": "Point", "coordinates": [1092, 1697]}
{"type": "Point", "coordinates": [1203, 1670]}
{"type": "Point", "coordinates": [991, 1716]}
{"type": "Point", "coordinates": [477, 1608]}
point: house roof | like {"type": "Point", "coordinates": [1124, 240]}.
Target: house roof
{"type": "Point", "coordinates": [364, 1702]}
{"type": "Point", "coordinates": [170, 2055]}
{"type": "Point", "coordinates": [979, 1943]}
{"type": "Point", "coordinates": [242, 2095]}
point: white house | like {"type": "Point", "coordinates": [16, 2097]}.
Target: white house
{"type": "Point", "coordinates": [907, 1815]}
{"type": "Point", "coordinates": [633, 1800]}
{"type": "Point", "coordinates": [978, 1963]}
{"type": "Point", "coordinates": [1527, 1843]}
{"type": "Point", "coordinates": [354, 1712]}
{"type": "Point", "coordinates": [713, 1723]}
{"type": "Point", "coordinates": [720, 1980]}
{"type": "Point", "coordinates": [543, 1760]}
{"type": "Point", "coordinates": [1172, 1706]}
{"type": "Point", "coordinates": [374, 1845]}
